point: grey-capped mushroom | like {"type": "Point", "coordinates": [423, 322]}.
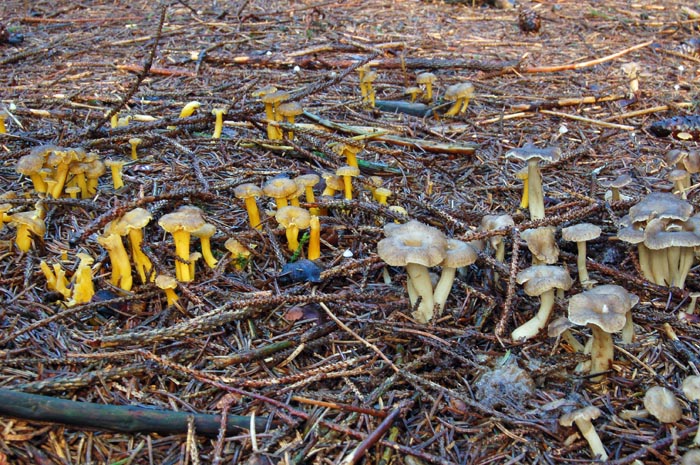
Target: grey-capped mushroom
{"type": "Point", "coordinates": [583, 418]}
{"type": "Point", "coordinates": [691, 389]}
{"type": "Point", "coordinates": [532, 155]}
{"type": "Point", "coordinates": [542, 281]}
{"type": "Point", "coordinates": [582, 233]}
{"type": "Point", "coordinates": [458, 254]}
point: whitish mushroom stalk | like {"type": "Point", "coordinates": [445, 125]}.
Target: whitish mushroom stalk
{"type": "Point", "coordinates": [583, 420]}
{"type": "Point", "coordinates": [540, 280]}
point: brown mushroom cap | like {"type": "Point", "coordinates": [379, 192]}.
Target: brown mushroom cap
{"type": "Point", "coordinates": [660, 205]}
{"type": "Point", "coordinates": [605, 308]}
{"type": "Point", "coordinates": [539, 279]}
{"type": "Point", "coordinates": [581, 232]}
{"type": "Point", "coordinates": [134, 219]}
{"type": "Point", "coordinates": [186, 218]}
{"type": "Point", "coordinates": [675, 156]}
{"type": "Point", "coordinates": [307, 180]}
{"type": "Point", "coordinates": [275, 97]}
{"type": "Point", "coordinates": [30, 164]}
{"type": "Point", "coordinates": [587, 413]}
{"type": "Point", "coordinates": [347, 170]}
{"type": "Point", "coordinates": [691, 387]}
{"type": "Point", "coordinates": [31, 220]}
{"type": "Point", "coordinates": [412, 242]}
{"type": "Point", "coordinates": [333, 181]}
{"type": "Point", "coordinates": [460, 90]}
{"type": "Point", "coordinates": [234, 246]}
{"type": "Point", "coordinates": [458, 254]}
{"type": "Point", "coordinates": [426, 78]}
{"type": "Point", "coordinates": [287, 216]}
{"type": "Point", "coordinates": [279, 188]}
{"type": "Point", "coordinates": [264, 91]}
{"type": "Point", "coordinates": [542, 244]}
{"type": "Point", "coordinates": [662, 404]}
{"type": "Point", "coordinates": [244, 191]}
{"type": "Point", "coordinates": [290, 109]}
{"type": "Point", "coordinates": [660, 234]}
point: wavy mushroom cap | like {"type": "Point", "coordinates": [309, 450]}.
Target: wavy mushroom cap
{"type": "Point", "coordinates": [661, 234]}
{"type": "Point", "coordinates": [247, 190]}
{"type": "Point", "coordinates": [662, 205]}
{"type": "Point", "coordinates": [412, 242]}
{"type": "Point", "coordinates": [286, 216]}
{"type": "Point", "coordinates": [539, 279]}
{"type": "Point", "coordinates": [459, 253]}
{"type": "Point", "coordinates": [587, 414]}
{"type": "Point", "coordinates": [605, 307]}
{"type": "Point", "coordinates": [581, 232]}
{"type": "Point", "coordinates": [530, 152]}
{"type": "Point", "coordinates": [279, 188]}
{"type": "Point", "coordinates": [542, 244]}
{"type": "Point", "coordinates": [662, 405]}
{"type": "Point", "coordinates": [186, 218]}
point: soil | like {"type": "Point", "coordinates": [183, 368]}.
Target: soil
{"type": "Point", "coordinates": [338, 368]}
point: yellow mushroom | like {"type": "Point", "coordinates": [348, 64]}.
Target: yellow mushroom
{"type": "Point", "coordinates": [204, 234]}
{"type": "Point", "coordinates": [280, 189]}
{"type": "Point", "coordinates": [293, 219]}
{"type": "Point", "coordinates": [427, 80]}
{"type": "Point", "coordinates": [347, 173]}
{"type": "Point", "coordinates": [219, 124]}
{"type": "Point", "coordinates": [116, 167]}
{"type": "Point", "coordinates": [3, 117]}
{"type": "Point", "coordinates": [189, 109]}
{"type": "Point", "coordinates": [83, 290]}
{"type": "Point", "coordinates": [461, 94]}
{"type": "Point", "coordinates": [132, 224]}
{"type": "Point", "coordinates": [181, 223]}
{"type": "Point", "coordinates": [135, 142]}
{"type": "Point", "coordinates": [289, 111]}
{"type": "Point", "coordinates": [28, 224]}
{"type": "Point", "coordinates": [381, 194]}
{"type": "Point", "coordinates": [168, 284]}
{"type": "Point", "coordinates": [119, 259]}
{"type": "Point", "coordinates": [239, 253]}
{"type": "Point", "coordinates": [248, 193]}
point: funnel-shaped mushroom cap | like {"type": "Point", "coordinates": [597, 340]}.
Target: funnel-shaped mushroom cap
{"type": "Point", "coordinates": [539, 279]}
{"type": "Point", "coordinates": [587, 414]}
{"type": "Point", "coordinates": [186, 218]}
{"type": "Point", "coordinates": [662, 404]}
{"type": "Point", "coordinates": [660, 234]}
{"type": "Point", "coordinates": [29, 220]}
{"type": "Point", "coordinates": [244, 191]}
{"type": "Point", "coordinates": [286, 216]}
{"type": "Point", "coordinates": [280, 188]}
{"type": "Point", "coordinates": [661, 205]}
{"type": "Point", "coordinates": [459, 254]}
{"type": "Point", "coordinates": [581, 232]}
{"type": "Point", "coordinates": [529, 152]}
{"type": "Point", "coordinates": [542, 244]}
{"type": "Point", "coordinates": [494, 223]}
{"type": "Point", "coordinates": [461, 90]}
{"type": "Point", "coordinates": [619, 182]}
{"type": "Point", "coordinates": [135, 219]}
{"type": "Point", "coordinates": [412, 242]}
{"type": "Point", "coordinates": [605, 307]}
{"type": "Point", "coordinates": [691, 388]}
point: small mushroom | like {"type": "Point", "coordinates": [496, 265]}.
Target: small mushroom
{"type": "Point", "coordinates": [204, 235]}
{"type": "Point", "coordinates": [249, 192]}
{"type": "Point", "coordinates": [135, 142]}
{"type": "Point", "coordinates": [314, 238]}
{"type": "Point", "coordinates": [366, 89]}
{"type": "Point", "coordinates": [289, 111]}
{"type": "Point", "coordinates": [533, 155]}
{"type": "Point", "coordinates": [427, 80]}
{"type": "Point", "coordinates": [540, 280]}
{"type": "Point", "coordinates": [581, 233]}
{"type": "Point", "coordinates": [458, 254]}
{"type": "Point", "coordinates": [615, 185]}
{"type": "Point", "coordinates": [119, 259]}
{"type": "Point", "coordinates": [691, 389]}
{"type": "Point", "coordinates": [631, 72]}
{"type": "Point", "coordinates": [417, 247]}
{"type": "Point", "coordinates": [30, 165]}
{"type": "Point", "coordinates": [28, 224]}
{"type": "Point", "coordinates": [347, 173]}
{"type": "Point", "coordinates": [168, 284]}
{"type": "Point", "coordinates": [84, 288]}
{"type": "Point", "coordinates": [461, 94]}
{"type": "Point", "coordinates": [219, 122]}
{"type": "Point", "coordinates": [583, 419]}
{"type": "Point", "coordinates": [132, 223]}
{"type": "Point", "coordinates": [181, 223]}
{"type": "Point", "coordinates": [662, 404]}
{"type": "Point", "coordinates": [280, 189]}
{"type": "Point", "coordinates": [604, 310]}
{"type": "Point", "coordinates": [239, 253]}
{"type": "Point", "coordinates": [293, 219]}
{"type": "Point", "coordinates": [116, 167]}
{"type": "Point", "coordinates": [542, 245]}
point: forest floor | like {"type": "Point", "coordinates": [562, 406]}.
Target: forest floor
{"type": "Point", "coordinates": [334, 369]}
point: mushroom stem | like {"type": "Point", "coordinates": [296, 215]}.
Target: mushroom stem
{"type": "Point", "coordinates": [685, 262]}
{"type": "Point", "coordinates": [182, 250]}
{"type": "Point", "coordinates": [315, 238]}
{"type": "Point", "coordinates": [443, 288]}
{"type": "Point", "coordinates": [141, 261]}
{"type": "Point", "coordinates": [253, 213]}
{"type": "Point", "coordinates": [23, 238]}
{"type": "Point", "coordinates": [627, 333]}
{"type": "Point", "coordinates": [589, 433]}
{"type": "Point", "coordinates": [645, 261]}
{"type": "Point", "coordinates": [534, 190]}
{"type": "Point", "coordinates": [420, 278]}
{"type": "Point", "coordinates": [347, 182]}
{"type": "Point", "coordinates": [602, 352]}
{"type": "Point", "coordinates": [581, 264]}
{"type": "Point", "coordinates": [292, 233]}
{"type": "Point", "coordinates": [219, 123]}
{"type": "Point", "coordinates": [533, 326]}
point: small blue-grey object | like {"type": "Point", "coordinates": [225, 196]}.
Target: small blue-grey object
{"type": "Point", "coordinates": [301, 271]}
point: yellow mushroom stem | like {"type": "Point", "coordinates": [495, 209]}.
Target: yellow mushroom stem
{"type": "Point", "coordinates": [219, 124]}
{"type": "Point", "coordinates": [49, 275]}
{"type": "Point", "coordinates": [61, 281]}
{"type": "Point", "coordinates": [182, 251]}
{"type": "Point", "coordinates": [170, 296]}
{"type": "Point", "coordinates": [189, 109]}
{"type": "Point", "coordinates": [60, 177]}
{"type": "Point", "coordinates": [84, 288]}
{"type": "Point", "coordinates": [206, 252]}
{"type": "Point", "coordinates": [121, 267]}
{"type": "Point", "coordinates": [3, 117]}
{"type": "Point", "coordinates": [134, 143]}
{"type": "Point", "coordinates": [454, 109]}
{"type": "Point", "coordinates": [141, 261]}
{"type": "Point", "coordinates": [281, 202]}
{"type": "Point", "coordinates": [251, 207]}
{"type": "Point", "coordinates": [114, 120]}
{"type": "Point", "coordinates": [292, 233]}
{"type": "Point", "coordinates": [38, 182]}
{"type": "Point", "coordinates": [23, 238]}
{"type": "Point", "coordinates": [116, 169]}
{"type": "Point", "coordinates": [347, 182]}
{"type": "Point", "coordinates": [315, 238]}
